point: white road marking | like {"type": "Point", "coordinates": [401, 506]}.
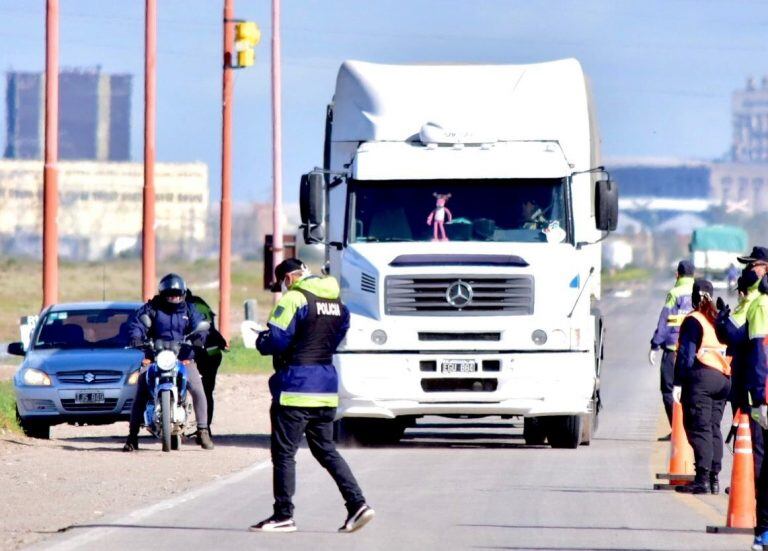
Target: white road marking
{"type": "Point", "coordinates": [94, 534]}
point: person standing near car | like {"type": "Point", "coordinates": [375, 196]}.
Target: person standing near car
{"type": "Point", "coordinates": [676, 306]}
{"type": "Point", "coordinates": [209, 356]}
{"type": "Point", "coordinates": [304, 330]}
{"type": "Point", "coordinates": [702, 381]}
{"type": "Point", "coordinates": [172, 319]}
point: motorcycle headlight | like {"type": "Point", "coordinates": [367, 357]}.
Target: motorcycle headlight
{"type": "Point", "coordinates": [166, 360]}
{"type": "Point", "coordinates": [35, 377]}
{"type": "Point", "coordinates": [133, 378]}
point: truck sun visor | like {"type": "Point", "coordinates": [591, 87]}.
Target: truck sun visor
{"type": "Point", "coordinates": [458, 260]}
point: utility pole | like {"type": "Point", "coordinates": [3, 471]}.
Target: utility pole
{"type": "Point", "coordinates": [277, 171]}
{"type": "Point", "coordinates": [148, 274]}
{"type": "Point", "coordinates": [225, 246]}
{"type": "Point", "coordinates": [51, 169]}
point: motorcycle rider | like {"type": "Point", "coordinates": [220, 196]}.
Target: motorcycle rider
{"type": "Point", "coordinates": [172, 319]}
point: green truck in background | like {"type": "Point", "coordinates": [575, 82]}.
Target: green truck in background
{"type": "Point", "coordinates": [715, 248]}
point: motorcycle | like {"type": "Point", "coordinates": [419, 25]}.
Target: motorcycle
{"type": "Point", "coordinates": [168, 412]}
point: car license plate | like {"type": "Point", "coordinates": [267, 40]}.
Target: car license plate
{"type": "Point", "coordinates": [89, 398]}
{"type": "Point", "coordinates": [458, 366]}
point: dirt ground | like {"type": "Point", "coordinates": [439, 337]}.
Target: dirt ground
{"type": "Point", "coordinates": [81, 473]}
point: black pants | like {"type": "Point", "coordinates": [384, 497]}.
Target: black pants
{"type": "Point", "coordinates": [288, 425]}
{"type": "Point", "coordinates": [704, 397]}
{"type": "Point", "coordinates": [195, 387]}
{"type": "Point", "coordinates": [761, 487]}
{"type": "Point", "coordinates": [667, 372]}
{"type": "Point", "coordinates": [209, 368]}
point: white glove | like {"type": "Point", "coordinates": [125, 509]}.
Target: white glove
{"type": "Point", "coordinates": [652, 357]}
{"type": "Point", "coordinates": [762, 417]}
{"type": "Point", "coordinates": [677, 392]}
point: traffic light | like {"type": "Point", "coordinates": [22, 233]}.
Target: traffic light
{"type": "Point", "coordinates": [247, 36]}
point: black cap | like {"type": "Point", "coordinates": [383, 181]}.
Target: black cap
{"type": "Point", "coordinates": [685, 268]}
{"type": "Point", "coordinates": [758, 254]}
{"type": "Point", "coordinates": [287, 266]}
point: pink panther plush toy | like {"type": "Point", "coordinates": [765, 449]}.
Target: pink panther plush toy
{"type": "Point", "coordinates": [436, 218]}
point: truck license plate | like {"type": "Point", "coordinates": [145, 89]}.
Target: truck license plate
{"type": "Point", "coordinates": [458, 366]}
{"type": "Point", "coordinates": [89, 398]}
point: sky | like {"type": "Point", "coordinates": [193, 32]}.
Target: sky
{"type": "Point", "coordinates": [662, 71]}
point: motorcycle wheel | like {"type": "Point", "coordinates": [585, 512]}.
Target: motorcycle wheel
{"type": "Point", "coordinates": [165, 411]}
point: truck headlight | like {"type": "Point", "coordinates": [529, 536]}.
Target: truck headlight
{"type": "Point", "coordinates": [133, 378]}
{"type": "Point", "coordinates": [35, 377]}
{"type": "Point", "coordinates": [166, 360]}
{"type": "Point", "coordinates": [379, 336]}
{"type": "Point", "coordinates": [539, 337]}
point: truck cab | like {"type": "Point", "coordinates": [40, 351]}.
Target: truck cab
{"type": "Point", "coordinates": [462, 209]}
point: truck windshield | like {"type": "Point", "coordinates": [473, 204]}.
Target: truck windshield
{"type": "Point", "coordinates": [458, 210]}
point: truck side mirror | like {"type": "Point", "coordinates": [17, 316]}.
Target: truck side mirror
{"type": "Point", "coordinates": [606, 205]}
{"type": "Point", "coordinates": [312, 206]}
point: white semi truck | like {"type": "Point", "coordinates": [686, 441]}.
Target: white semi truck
{"type": "Point", "coordinates": [462, 208]}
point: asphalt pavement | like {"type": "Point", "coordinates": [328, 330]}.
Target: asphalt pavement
{"type": "Point", "coordinates": [467, 484]}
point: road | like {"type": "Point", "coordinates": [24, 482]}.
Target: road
{"type": "Point", "coordinates": [468, 485]}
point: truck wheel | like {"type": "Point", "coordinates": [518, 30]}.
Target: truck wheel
{"type": "Point", "coordinates": [533, 431]}
{"type": "Point", "coordinates": [34, 429]}
{"type": "Point", "coordinates": [564, 431]}
{"type": "Point", "coordinates": [371, 432]}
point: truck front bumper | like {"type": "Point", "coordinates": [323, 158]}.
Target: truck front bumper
{"type": "Point", "coordinates": [530, 384]}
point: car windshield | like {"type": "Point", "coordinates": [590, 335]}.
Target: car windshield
{"type": "Point", "coordinates": [102, 328]}
{"type": "Point", "coordinates": [527, 210]}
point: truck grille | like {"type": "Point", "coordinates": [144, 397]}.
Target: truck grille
{"type": "Point", "coordinates": [471, 295]}
{"type": "Point", "coordinates": [97, 376]}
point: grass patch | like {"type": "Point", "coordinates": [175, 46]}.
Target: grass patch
{"type": "Point", "coordinates": [626, 275]}
{"type": "Point", "coordinates": [8, 407]}
{"type": "Point", "coordinates": [240, 359]}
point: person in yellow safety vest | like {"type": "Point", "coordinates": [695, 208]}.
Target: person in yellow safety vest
{"type": "Point", "coordinates": [702, 384]}
{"type": "Point", "coordinates": [304, 330]}
{"type": "Point", "coordinates": [676, 306]}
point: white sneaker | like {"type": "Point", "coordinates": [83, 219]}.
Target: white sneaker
{"type": "Point", "coordinates": [274, 524]}
{"type": "Point", "coordinates": [358, 519]}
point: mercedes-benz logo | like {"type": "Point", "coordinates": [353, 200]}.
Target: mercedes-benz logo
{"type": "Point", "coordinates": [89, 377]}
{"type": "Point", "coordinates": [459, 294]}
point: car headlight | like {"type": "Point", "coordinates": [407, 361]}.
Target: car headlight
{"type": "Point", "coordinates": [133, 378]}
{"type": "Point", "coordinates": [166, 360]}
{"type": "Point", "coordinates": [35, 377]}
{"type": "Point", "coordinates": [539, 337]}
{"type": "Point", "coordinates": [379, 336]}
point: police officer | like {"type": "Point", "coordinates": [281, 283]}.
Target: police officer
{"type": "Point", "coordinates": [701, 384]}
{"type": "Point", "coordinates": [208, 357]}
{"type": "Point", "coordinates": [677, 305]}
{"type": "Point", "coordinates": [172, 319]}
{"type": "Point", "coordinates": [757, 364]}
{"type": "Point", "coordinates": [304, 330]}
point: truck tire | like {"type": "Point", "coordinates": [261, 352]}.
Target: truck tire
{"type": "Point", "coordinates": [564, 431]}
{"type": "Point", "coordinates": [34, 429]}
{"type": "Point", "coordinates": [370, 432]}
{"type": "Point", "coordinates": [534, 432]}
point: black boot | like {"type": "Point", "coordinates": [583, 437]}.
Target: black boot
{"type": "Point", "coordinates": [204, 439]}
{"type": "Point", "coordinates": [700, 484]}
{"type": "Point", "coordinates": [714, 483]}
{"type": "Point", "coordinates": [132, 444]}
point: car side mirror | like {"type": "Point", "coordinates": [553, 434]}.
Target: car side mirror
{"type": "Point", "coordinates": [16, 349]}
{"type": "Point", "coordinates": [606, 205]}
{"type": "Point", "coordinates": [312, 206]}
{"type": "Point", "coordinates": [145, 320]}
{"type": "Point", "coordinates": [202, 326]}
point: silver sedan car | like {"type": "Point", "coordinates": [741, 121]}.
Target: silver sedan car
{"type": "Point", "coordinates": [77, 368]}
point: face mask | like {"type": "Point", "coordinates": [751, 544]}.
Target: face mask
{"type": "Point", "coordinates": [283, 287]}
{"type": "Point", "coordinates": [750, 278]}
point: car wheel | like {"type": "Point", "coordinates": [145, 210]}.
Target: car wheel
{"type": "Point", "coordinates": [34, 429]}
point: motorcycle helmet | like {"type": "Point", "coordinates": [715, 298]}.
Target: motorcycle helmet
{"type": "Point", "coordinates": [172, 288]}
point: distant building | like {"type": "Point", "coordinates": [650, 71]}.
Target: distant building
{"type": "Point", "coordinates": [750, 123]}
{"type": "Point", "coordinates": [100, 208]}
{"type": "Point", "coordinates": [741, 188]}
{"type": "Point", "coordinates": [94, 115]}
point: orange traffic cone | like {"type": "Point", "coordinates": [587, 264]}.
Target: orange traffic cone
{"type": "Point", "coordinates": [681, 469]}
{"type": "Point", "coordinates": [741, 501]}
